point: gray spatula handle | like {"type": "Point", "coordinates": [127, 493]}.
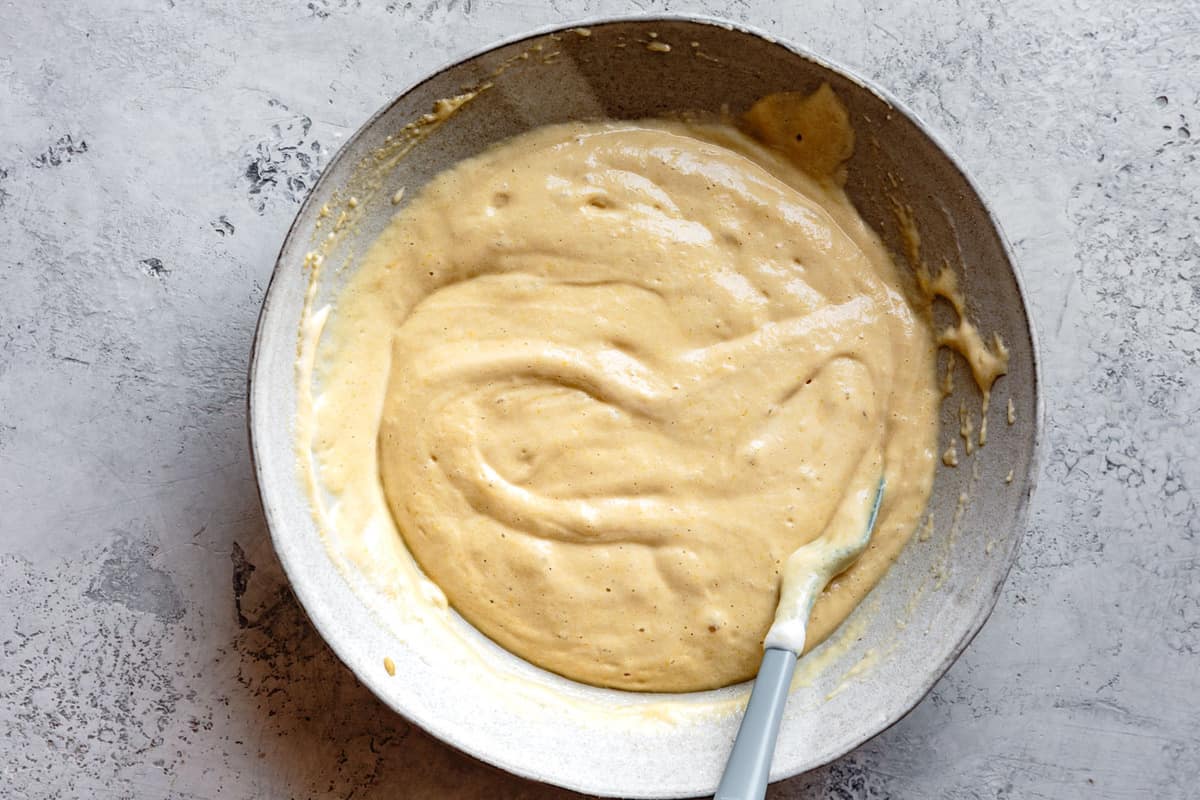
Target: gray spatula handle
{"type": "Point", "coordinates": [749, 763]}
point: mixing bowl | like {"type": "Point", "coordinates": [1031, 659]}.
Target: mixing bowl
{"type": "Point", "coordinates": [607, 742]}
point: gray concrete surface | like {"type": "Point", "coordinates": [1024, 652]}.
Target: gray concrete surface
{"type": "Point", "coordinates": [152, 155]}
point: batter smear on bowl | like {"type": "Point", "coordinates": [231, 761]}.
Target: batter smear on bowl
{"type": "Point", "coordinates": [608, 376]}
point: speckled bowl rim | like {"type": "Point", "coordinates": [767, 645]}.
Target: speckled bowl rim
{"type": "Point", "coordinates": [304, 593]}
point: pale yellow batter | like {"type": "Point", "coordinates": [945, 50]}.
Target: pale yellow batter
{"type": "Point", "coordinates": [618, 372]}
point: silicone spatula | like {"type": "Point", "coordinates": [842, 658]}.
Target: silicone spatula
{"type": "Point", "coordinates": [808, 570]}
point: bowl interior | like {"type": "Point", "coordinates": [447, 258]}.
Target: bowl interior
{"type": "Point", "coordinates": [915, 622]}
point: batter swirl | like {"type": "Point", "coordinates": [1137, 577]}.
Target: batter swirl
{"type": "Point", "coordinates": [633, 366]}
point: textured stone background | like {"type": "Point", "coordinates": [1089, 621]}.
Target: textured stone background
{"type": "Point", "coordinates": [152, 155]}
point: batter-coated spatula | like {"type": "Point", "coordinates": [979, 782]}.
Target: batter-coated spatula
{"type": "Point", "coordinates": [805, 575]}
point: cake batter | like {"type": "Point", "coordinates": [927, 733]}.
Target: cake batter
{"type": "Point", "coordinates": [609, 376]}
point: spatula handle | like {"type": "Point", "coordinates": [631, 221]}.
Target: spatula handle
{"type": "Point", "coordinates": [749, 763]}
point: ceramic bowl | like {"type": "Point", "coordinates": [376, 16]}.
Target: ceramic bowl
{"type": "Point", "coordinates": [914, 624]}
